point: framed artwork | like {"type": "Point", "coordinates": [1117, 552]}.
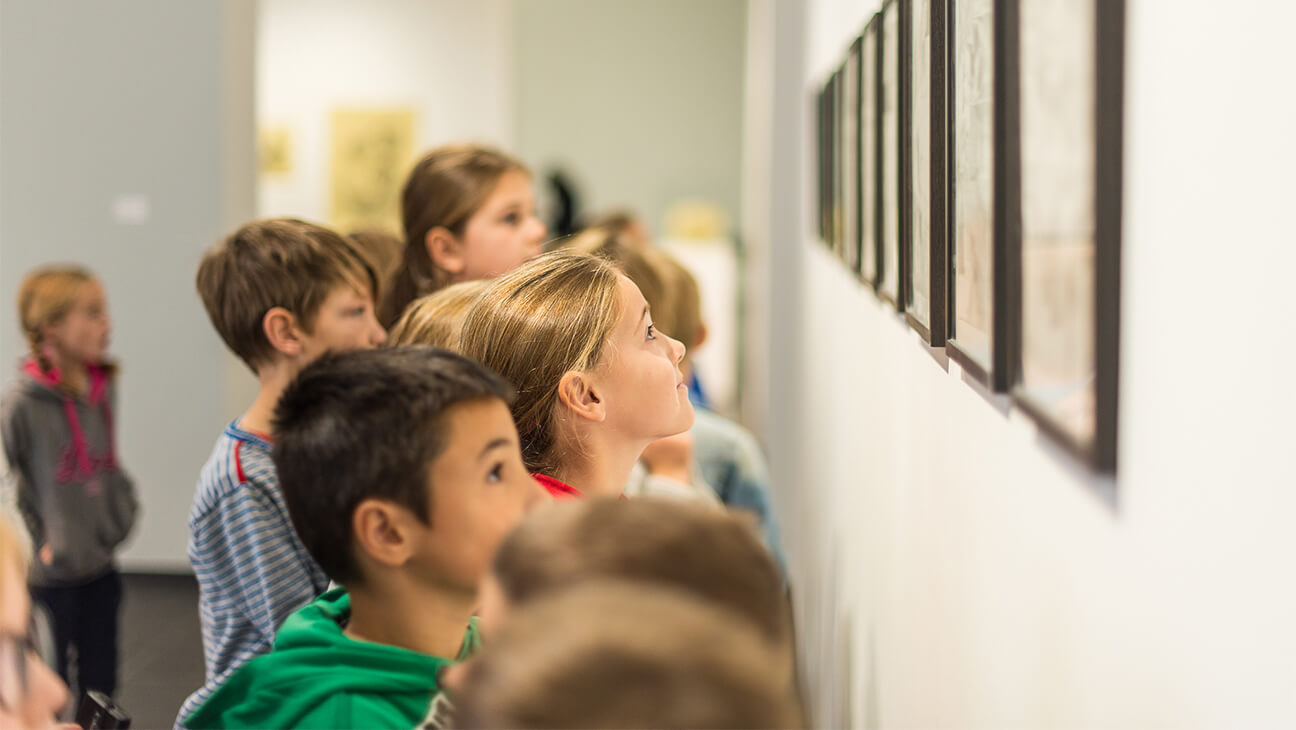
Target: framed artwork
{"type": "Point", "coordinates": [891, 172]}
{"type": "Point", "coordinates": [370, 152]}
{"type": "Point", "coordinates": [822, 130]}
{"type": "Point", "coordinates": [820, 228]}
{"type": "Point", "coordinates": [869, 144]}
{"type": "Point", "coordinates": [1070, 80]}
{"type": "Point", "coordinates": [850, 113]}
{"type": "Point", "coordinates": [923, 237]}
{"type": "Point", "coordinates": [983, 191]}
{"type": "Point", "coordinates": [835, 161]}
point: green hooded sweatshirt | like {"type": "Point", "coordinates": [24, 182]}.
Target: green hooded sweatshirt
{"type": "Point", "coordinates": [317, 677]}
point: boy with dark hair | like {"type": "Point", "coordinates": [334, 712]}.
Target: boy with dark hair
{"type": "Point", "coordinates": [402, 472]}
{"type": "Point", "coordinates": [280, 293]}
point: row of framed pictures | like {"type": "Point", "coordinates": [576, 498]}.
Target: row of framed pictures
{"type": "Point", "coordinates": [969, 173]}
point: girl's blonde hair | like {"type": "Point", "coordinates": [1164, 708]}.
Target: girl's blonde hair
{"type": "Point", "coordinates": [443, 190]}
{"type": "Point", "coordinates": [437, 319]}
{"type": "Point", "coordinates": [45, 297]}
{"type": "Point", "coordinates": [533, 325]}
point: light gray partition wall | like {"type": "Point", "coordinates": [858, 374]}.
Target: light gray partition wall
{"type": "Point", "coordinates": [126, 145]}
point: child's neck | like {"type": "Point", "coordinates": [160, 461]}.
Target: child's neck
{"type": "Point", "coordinates": [418, 618]}
{"type": "Point", "coordinates": [274, 379]}
{"type": "Point", "coordinates": [73, 373]}
{"type": "Point", "coordinates": [601, 468]}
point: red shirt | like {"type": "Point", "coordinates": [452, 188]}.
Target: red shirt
{"type": "Point", "coordinates": [557, 489]}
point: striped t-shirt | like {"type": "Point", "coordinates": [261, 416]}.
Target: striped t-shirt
{"type": "Point", "coordinates": [252, 569]}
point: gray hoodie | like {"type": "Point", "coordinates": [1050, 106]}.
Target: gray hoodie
{"type": "Point", "coordinates": [71, 492]}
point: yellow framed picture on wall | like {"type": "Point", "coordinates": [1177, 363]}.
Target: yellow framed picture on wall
{"type": "Point", "coordinates": [370, 154]}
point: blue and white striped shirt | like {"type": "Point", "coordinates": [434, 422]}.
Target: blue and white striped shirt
{"type": "Point", "coordinates": [252, 569]}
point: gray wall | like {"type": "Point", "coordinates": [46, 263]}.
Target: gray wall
{"type": "Point", "coordinates": [149, 99]}
{"type": "Point", "coordinates": [641, 101]}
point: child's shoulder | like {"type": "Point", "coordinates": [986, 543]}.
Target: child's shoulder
{"type": "Point", "coordinates": [240, 466]}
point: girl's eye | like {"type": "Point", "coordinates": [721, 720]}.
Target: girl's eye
{"type": "Point", "coordinates": [652, 332]}
{"type": "Point", "coordinates": [512, 219]}
{"type": "Point", "coordinates": [496, 473]}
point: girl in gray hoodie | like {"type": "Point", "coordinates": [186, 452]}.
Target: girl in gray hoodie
{"type": "Point", "coordinates": [78, 504]}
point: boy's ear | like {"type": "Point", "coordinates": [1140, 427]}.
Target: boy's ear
{"type": "Point", "coordinates": [576, 390]}
{"type": "Point", "coordinates": [281, 331]}
{"type": "Point", "coordinates": [445, 250]}
{"type": "Point", "coordinates": [380, 532]}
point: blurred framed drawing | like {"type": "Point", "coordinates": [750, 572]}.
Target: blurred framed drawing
{"type": "Point", "coordinates": [889, 158]}
{"type": "Point", "coordinates": [870, 143]}
{"type": "Point", "coordinates": [923, 237]}
{"type": "Point", "coordinates": [821, 164]}
{"type": "Point", "coordinates": [851, 209]}
{"type": "Point", "coordinates": [983, 191]}
{"type": "Point", "coordinates": [1071, 96]}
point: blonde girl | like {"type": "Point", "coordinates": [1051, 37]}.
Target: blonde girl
{"type": "Point", "coordinates": [596, 382]}
{"type": "Point", "coordinates": [468, 213]}
{"type": "Point", "coordinates": [437, 318]}
{"type": "Point", "coordinates": [58, 431]}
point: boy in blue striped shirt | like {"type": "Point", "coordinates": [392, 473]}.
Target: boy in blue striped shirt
{"type": "Point", "coordinates": [280, 293]}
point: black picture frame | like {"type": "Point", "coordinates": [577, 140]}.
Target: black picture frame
{"type": "Point", "coordinates": [923, 238]}
{"type": "Point", "coordinates": [1095, 442]}
{"type": "Point", "coordinates": [990, 363]}
{"type": "Point", "coordinates": [891, 122]}
{"type": "Point", "coordinates": [869, 257]}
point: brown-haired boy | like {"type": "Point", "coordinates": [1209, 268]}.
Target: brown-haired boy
{"type": "Point", "coordinates": [402, 471]}
{"type": "Point", "coordinates": [280, 293]}
{"type": "Point", "coordinates": [618, 654]}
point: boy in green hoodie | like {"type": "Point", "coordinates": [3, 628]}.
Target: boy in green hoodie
{"type": "Point", "coordinates": [402, 472]}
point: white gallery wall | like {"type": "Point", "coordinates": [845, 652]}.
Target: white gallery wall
{"type": "Point", "coordinates": [951, 567]}
{"type": "Point", "coordinates": [126, 146]}
{"type": "Point", "coordinates": [452, 62]}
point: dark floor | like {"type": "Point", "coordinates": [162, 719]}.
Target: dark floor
{"type": "Point", "coordinates": [161, 647]}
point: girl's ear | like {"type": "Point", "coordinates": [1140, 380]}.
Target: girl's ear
{"type": "Point", "coordinates": [577, 391]}
{"type": "Point", "coordinates": [282, 332]}
{"type": "Point", "coordinates": [445, 250]}
{"type": "Point", "coordinates": [381, 533]}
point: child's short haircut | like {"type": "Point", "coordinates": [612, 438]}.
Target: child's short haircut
{"type": "Point", "coordinates": [437, 318]}
{"type": "Point", "coordinates": [615, 654]}
{"type": "Point", "coordinates": [367, 424]}
{"type": "Point", "coordinates": [713, 554]}
{"type": "Point", "coordinates": [275, 263]}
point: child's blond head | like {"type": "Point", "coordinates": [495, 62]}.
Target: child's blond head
{"type": "Point", "coordinates": [45, 297]}
{"type": "Point", "coordinates": [550, 316]}
{"type": "Point", "coordinates": [437, 318]}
